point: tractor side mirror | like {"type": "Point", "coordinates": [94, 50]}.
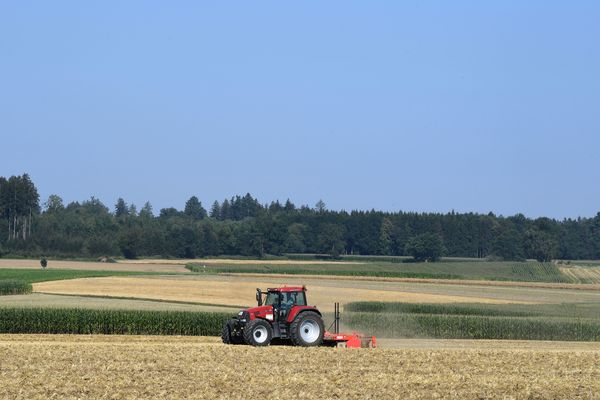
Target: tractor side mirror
{"type": "Point", "coordinates": [259, 297]}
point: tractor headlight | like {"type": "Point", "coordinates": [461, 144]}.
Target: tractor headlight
{"type": "Point", "coordinates": [243, 316]}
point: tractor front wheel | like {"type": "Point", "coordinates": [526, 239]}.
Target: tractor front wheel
{"type": "Point", "coordinates": [307, 329]}
{"type": "Point", "coordinates": [226, 335]}
{"type": "Point", "coordinates": [258, 332]}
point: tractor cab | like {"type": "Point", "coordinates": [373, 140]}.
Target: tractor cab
{"type": "Point", "coordinates": [282, 300]}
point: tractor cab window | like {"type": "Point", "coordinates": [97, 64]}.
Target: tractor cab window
{"type": "Point", "coordinates": [290, 299]}
{"type": "Point", "coordinates": [300, 299]}
{"type": "Point", "coordinates": [271, 299]}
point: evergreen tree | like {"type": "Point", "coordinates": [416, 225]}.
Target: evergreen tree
{"type": "Point", "coordinates": [193, 209]}
{"type": "Point", "coordinates": [289, 206]}
{"type": "Point", "coordinates": [226, 210]}
{"type": "Point", "coordinates": [385, 236]}
{"type": "Point", "coordinates": [121, 208]}
{"type": "Point", "coordinates": [146, 211]}
{"type": "Point", "coordinates": [215, 210]}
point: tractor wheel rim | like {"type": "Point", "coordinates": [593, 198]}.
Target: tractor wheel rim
{"type": "Point", "coordinates": [309, 331]}
{"type": "Point", "coordinates": [260, 334]}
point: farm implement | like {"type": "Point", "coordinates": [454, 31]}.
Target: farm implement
{"type": "Point", "coordinates": [284, 314]}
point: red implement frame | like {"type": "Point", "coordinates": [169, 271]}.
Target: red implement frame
{"type": "Point", "coordinates": [352, 340]}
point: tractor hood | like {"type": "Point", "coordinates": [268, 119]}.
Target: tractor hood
{"type": "Point", "coordinates": [264, 312]}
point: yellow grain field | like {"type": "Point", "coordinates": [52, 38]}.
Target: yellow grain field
{"type": "Point", "coordinates": [235, 292]}
{"type": "Point", "coordinates": [100, 367]}
{"type": "Point", "coordinates": [582, 274]}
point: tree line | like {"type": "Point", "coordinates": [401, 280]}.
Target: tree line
{"type": "Point", "coordinates": [243, 226]}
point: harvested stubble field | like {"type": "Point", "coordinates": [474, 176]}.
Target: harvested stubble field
{"type": "Point", "coordinates": [240, 291]}
{"type": "Point", "coordinates": [60, 366]}
{"type": "Point", "coordinates": [41, 300]}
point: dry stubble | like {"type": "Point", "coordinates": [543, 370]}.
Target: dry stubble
{"type": "Point", "coordinates": [32, 367]}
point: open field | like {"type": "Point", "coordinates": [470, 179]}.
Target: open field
{"type": "Point", "coordinates": [554, 321]}
{"type": "Point", "coordinates": [447, 308]}
{"type": "Point", "coordinates": [142, 266]}
{"type": "Point", "coordinates": [463, 344]}
{"type": "Point", "coordinates": [566, 310]}
{"type": "Point", "coordinates": [582, 274]}
{"type": "Point", "coordinates": [39, 300]}
{"type": "Point", "coordinates": [39, 275]}
{"type": "Point", "coordinates": [452, 311]}
{"type": "Point", "coordinates": [235, 261]}
{"type": "Point", "coordinates": [64, 366]}
{"type": "Point", "coordinates": [529, 271]}
{"type": "Point", "coordinates": [240, 291]}
{"type": "Point", "coordinates": [450, 270]}
{"type": "Point", "coordinates": [461, 282]}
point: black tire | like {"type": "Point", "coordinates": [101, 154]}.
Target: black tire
{"type": "Point", "coordinates": [226, 336]}
{"type": "Point", "coordinates": [304, 322]}
{"type": "Point", "coordinates": [258, 332]}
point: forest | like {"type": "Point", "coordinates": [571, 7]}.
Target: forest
{"type": "Point", "coordinates": [243, 226]}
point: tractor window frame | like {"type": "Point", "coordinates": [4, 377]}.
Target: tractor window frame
{"type": "Point", "coordinates": [272, 299]}
{"type": "Point", "coordinates": [300, 299]}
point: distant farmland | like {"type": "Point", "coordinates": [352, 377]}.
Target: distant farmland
{"type": "Point", "coordinates": [477, 270]}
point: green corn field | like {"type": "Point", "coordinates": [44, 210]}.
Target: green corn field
{"type": "Point", "coordinates": [470, 321]}
{"type": "Point", "coordinates": [14, 286]}
{"type": "Point", "coordinates": [127, 322]}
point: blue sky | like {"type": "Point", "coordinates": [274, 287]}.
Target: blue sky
{"type": "Point", "coordinates": [415, 105]}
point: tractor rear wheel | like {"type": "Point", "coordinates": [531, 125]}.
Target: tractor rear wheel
{"type": "Point", "coordinates": [307, 329]}
{"type": "Point", "coordinates": [258, 332]}
{"type": "Point", "coordinates": [226, 335]}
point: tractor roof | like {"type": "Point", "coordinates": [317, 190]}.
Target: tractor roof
{"type": "Point", "coordinates": [287, 289]}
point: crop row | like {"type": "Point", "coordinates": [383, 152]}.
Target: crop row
{"type": "Point", "coordinates": [473, 326]}
{"type": "Point", "coordinates": [292, 270]}
{"type": "Point", "coordinates": [449, 309]}
{"type": "Point", "coordinates": [14, 286]}
{"type": "Point", "coordinates": [539, 272]}
{"type": "Point", "coordinates": [90, 321]}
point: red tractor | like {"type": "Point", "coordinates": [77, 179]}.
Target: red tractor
{"type": "Point", "coordinates": [285, 314]}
